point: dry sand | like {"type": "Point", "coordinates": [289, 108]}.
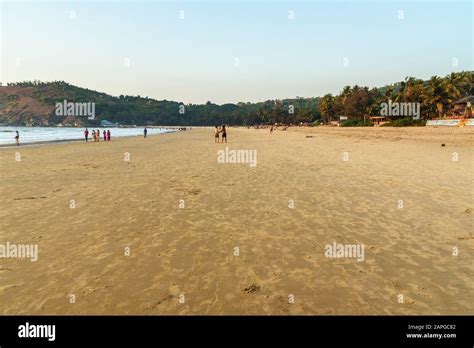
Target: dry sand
{"type": "Point", "coordinates": [190, 250]}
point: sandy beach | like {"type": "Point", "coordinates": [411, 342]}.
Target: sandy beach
{"type": "Point", "coordinates": [221, 238]}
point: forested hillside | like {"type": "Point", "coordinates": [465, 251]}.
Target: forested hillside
{"type": "Point", "coordinates": [33, 104]}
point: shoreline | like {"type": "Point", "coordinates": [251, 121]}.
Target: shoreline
{"type": "Point", "coordinates": [453, 136]}
{"type": "Point", "coordinates": [65, 141]}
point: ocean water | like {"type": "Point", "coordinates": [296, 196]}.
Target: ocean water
{"type": "Point", "coordinates": [44, 134]}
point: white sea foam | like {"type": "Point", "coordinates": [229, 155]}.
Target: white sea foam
{"type": "Point", "coordinates": [44, 134]}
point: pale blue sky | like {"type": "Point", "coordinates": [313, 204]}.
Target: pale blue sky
{"type": "Point", "coordinates": [193, 59]}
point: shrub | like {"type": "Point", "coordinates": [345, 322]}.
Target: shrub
{"type": "Point", "coordinates": [357, 123]}
{"type": "Point", "coordinates": [405, 122]}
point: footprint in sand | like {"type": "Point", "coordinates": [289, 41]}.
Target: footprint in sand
{"type": "Point", "coordinates": [420, 292]}
{"type": "Point", "coordinates": [153, 304]}
{"type": "Point", "coordinates": [307, 257]}
{"type": "Point", "coordinates": [252, 289]}
{"type": "Point", "coordinates": [194, 192]}
{"type": "Point", "coordinates": [397, 284]}
{"type": "Point", "coordinates": [467, 237]}
{"type": "Point", "coordinates": [17, 199]}
{"type": "Point", "coordinates": [89, 291]}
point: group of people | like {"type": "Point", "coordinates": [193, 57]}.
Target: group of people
{"type": "Point", "coordinates": [218, 131]}
{"type": "Point", "coordinates": [106, 134]}
{"type": "Point", "coordinates": [96, 135]}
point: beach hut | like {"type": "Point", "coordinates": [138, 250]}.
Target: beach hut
{"type": "Point", "coordinates": [463, 106]}
{"type": "Point", "coordinates": [378, 120]}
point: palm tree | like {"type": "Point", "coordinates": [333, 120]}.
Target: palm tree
{"type": "Point", "coordinates": [388, 92]}
{"type": "Point", "coordinates": [326, 108]}
{"type": "Point", "coordinates": [436, 95]}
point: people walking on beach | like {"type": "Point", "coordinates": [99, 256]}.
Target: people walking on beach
{"type": "Point", "coordinates": [17, 138]}
{"type": "Point", "coordinates": [86, 135]}
{"type": "Point", "coordinates": [224, 133]}
{"type": "Point", "coordinates": [271, 129]}
{"type": "Point", "coordinates": [216, 134]}
{"type": "Point", "coordinates": [98, 135]}
{"type": "Point", "coordinates": [108, 135]}
{"type": "Point", "coordinates": [94, 137]}
{"type": "Point", "coordinates": [105, 135]}
{"type": "Point", "coordinates": [145, 132]}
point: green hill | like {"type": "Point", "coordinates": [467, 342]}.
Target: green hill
{"type": "Point", "coordinates": [33, 104]}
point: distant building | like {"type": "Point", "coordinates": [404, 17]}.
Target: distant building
{"type": "Point", "coordinates": [463, 106]}
{"type": "Point", "coordinates": [105, 123]}
{"type": "Point", "coordinates": [338, 121]}
{"type": "Point", "coordinates": [378, 120]}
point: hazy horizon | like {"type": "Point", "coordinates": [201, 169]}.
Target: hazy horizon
{"type": "Point", "coordinates": [232, 52]}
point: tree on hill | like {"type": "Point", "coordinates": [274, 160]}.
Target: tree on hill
{"type": "Point", "coordinates": [436, 97]}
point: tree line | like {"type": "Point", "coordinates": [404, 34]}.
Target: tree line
{"type": "Point", "coordinates": [436, 97]}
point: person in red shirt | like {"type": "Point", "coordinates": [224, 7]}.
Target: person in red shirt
{"type": "Point", "coordinates": [108, 135]}
{"type": "Point", "coordinates": [86, 134]}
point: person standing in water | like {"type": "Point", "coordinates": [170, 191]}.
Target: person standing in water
{"type": "Point", "coordinates": [224, 133]}
{"type": "Point", "coordinates": [86, 135]}
{"type": "Point", "coordinates": [17, 138]}
{"type": "Point", "coordinates": [145, 132]}
{"type": "Point", "coordinates": [108, 135]}
{"type": "Point", "coordinates": [105, 135]}
{"type": "Point", "coordinates": [98, 135]}
{"type": "Point", "coordinates": [216, 134]}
